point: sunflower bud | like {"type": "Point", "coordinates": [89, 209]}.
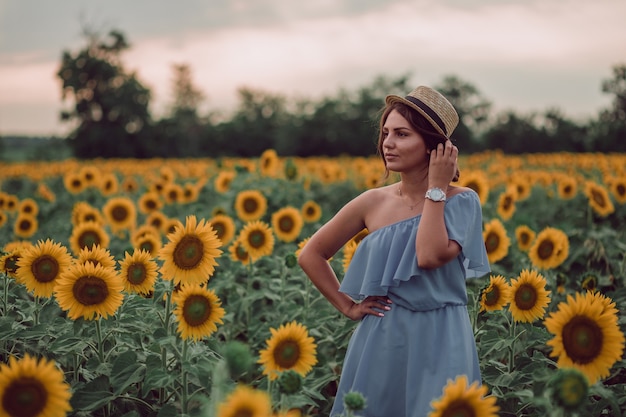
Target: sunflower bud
{"type": "Point", "coordinates": [291, 170]}
{"type": "Point", "coordinates": [238, 358]}
{"type": "Point", "coordinates": [569, 388]}
{"type": "Point", "coordinates": [291, 260]}
{"type": "Point", "coordinates": [354, 401]}
{"type": "Point", "coordinates": [290, 382]}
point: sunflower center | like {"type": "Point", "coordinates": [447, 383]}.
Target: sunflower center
{"type": "Point", "coordinates": [286, 224]}
{"type": "Point", "coordinates": [525, 297]}
{"type": "Point", "coordinates": [545, 249]}
{"type": "Point", "coordinates": [119, 213]}
{"type": "Point", "coordinates": [24, 397]}
{"type": "Point", "coordinates": [90, 290]}
{"type": "Point", "coordinates": [492, 242]}
{"type": "Point", "coordinates": [189, 252]}
{"type": "Point", "coordinates": [88, 239]}
{"type": "Point", "coordinates": [243, 412]}
{"type": "Point", "coordinates": [219, 228]}
{"type": "Point", "coordinates": [598, 198]}
{"type": "Point", "coordinates": [151, 204]}
{"type": "Point", "coordinates": [256, 239]}
{"type": "Point", "coordinates": [524, 238]}
{"type": "Point", "coordinates": [507, 202]}
{"type": "Point", "coordinates": [250, 205]}
{"type": "Point", "coordinates": [582, 339]}
{"type": "Point", "coordinates": [573, 391]}
{"type": "Point", "coordinates": [621, 190]}
{"type": "Point", "coordinates": [25, 224]}
{"type": "Point", "coordinates": [287, 354]}
{"type": "Point", "coordinates": [136, 273]}
{"type": "Point", "coordinates": [241, 253]}
{"type": "Point", "coordinates": [196, 310]}
{"type": "Point", "coordinates": [459, 408]}
{"type": "Point", "coordinates": [10, 264]}
{"type": "Point", "coordinates": [310, 211]}
{"type": "Point", "coordinates": [492, 296]}
{"type": "Point", "coordinates": [45, 268]}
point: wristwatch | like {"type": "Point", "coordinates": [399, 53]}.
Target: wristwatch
{"type": "Point", "coordinates": [436, 194]}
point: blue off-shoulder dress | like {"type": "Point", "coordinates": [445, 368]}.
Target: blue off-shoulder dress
{"type": "Point", "coordinates": [402, 361]}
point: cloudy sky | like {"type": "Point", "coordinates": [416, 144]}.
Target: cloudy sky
{"type": "Point", "coordinates": [525, 55]}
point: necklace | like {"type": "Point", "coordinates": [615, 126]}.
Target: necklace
{"type": "Point", "coordinates": [410, 206]}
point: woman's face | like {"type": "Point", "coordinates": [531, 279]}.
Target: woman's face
{"type": "Point", "coordinates": [403, 148]}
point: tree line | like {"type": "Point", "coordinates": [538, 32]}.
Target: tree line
{"type": "Point", "coordinates": [109, 107]}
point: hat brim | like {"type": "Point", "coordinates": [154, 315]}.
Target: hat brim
{"type": "Point", "coordinates": [392, 98]}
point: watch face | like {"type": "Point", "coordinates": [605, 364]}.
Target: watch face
{"type": "Point", "coordinates": [436, 194]}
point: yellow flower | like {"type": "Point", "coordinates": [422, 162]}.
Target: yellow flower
{"type": "Point", "coordinates": [25, 226]}
{"type": "Point", "coordinates": [149, 202]}
{"type": "Point", "coordinates": [311, 211]}
{"type": "Point", "coordinates": [198, 311]}
{"type": "Point", "coordinates": [245, 401]}
{"type": "Point", "coordinates": [506, 203]}
{"type": "Point", "coordinates": [496, 295]}
{"type": "Point", "coordinates": [269, 163]}
{"type": "Point", "coordinates": [33, 387]}
{"type": "Point", "coordinates": [257, 239]}
{"type": "Point", "coordinates": [525, 237]}
{"type": "Point", "coordinates": [108, 184]}
{"type": "Point", "coordinates": [550, 248]}
{"type": "Point", "coordinates": [224, 226]}
{"type": "Point", "coordinates": [28, 206]}
{"type": "Point", "coordinates": [120, 213]}
{"type": "Point", "coordinates": [138, 272]}
{"type": "Point", "coordinates": [476, 180]}
{"type": "Point", "coordinates": [40, 266]}
{"type": "Point", "coordinates": [250, 205]}
{"type": "Point", "coordinates": [87, 235]}
{"type": "Point", "coordinates": [529, 297]}
{"type": "Point", "coordinates": [348, 253]}
{"type": "Point", "coordinates": [567, 187]}
{"type": "Point", "coordinates": [289, 348]}
{"type": "Point", "coordinates": [496, 240]}
{"type": "Point", "coordinates": [287, 223]}
{"type": "Point", "coordinates": [84, 212]}
{"type": "Point", "coordinates": [599, 199]}
{"type": "Point", "coordinates": [223, 180]}
{"type": "Point", "coordinates": [301, 245]}
{"type": "Point", "coordinates": [587, 335]}
{"type": "Point", "coordinates": [190, 255]}
{"type": "Point", "coordinates": [461, 399]}
{"type": "Point", "coordinates": [96, 255]}
{"type": "Point", "coordinates": [238, 253]}
{"type": "Point", "coordinates": [618, 189]}
{"type": "Point", "coordinates": [89, 291]}
{"type": "Point", "coordinates": [74, 183]}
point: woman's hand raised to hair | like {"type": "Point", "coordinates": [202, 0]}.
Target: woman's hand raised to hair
{"type": "Point", "coordinates": [374, 305]}
{"type": "Point", "coordinates": [443, 165]}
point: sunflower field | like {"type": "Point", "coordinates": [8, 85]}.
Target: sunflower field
{"type": "Point", "coordinates": [171, 287]}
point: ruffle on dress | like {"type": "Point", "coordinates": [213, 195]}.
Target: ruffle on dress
{"type": "Point", "coordinates": [373, 272]}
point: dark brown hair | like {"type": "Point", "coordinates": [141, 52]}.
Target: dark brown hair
{"type": "Point", "coordinates": [419, 123]}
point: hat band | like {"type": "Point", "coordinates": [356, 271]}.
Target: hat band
{"type": "Point", "coordinates": [419, 103]}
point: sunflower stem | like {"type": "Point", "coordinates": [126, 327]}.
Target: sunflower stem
{"type": "Point", "coordinates": [512, 348]}
{"type": "Point", "coordinates": [166, 324]}
{"type": "Point", "coordinates": [100, 340]}
{"type": "Point", "coordinates": [37, 311]}
{"type": "Point", "coordinates": [5, 309]}
{"type": "Point", "coordinates": [185, 387]}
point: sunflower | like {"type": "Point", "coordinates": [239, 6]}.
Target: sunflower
{"type": "Point", "coordinates": [172, 193]}
{"type": "Point", "coordinates": [190, 193]}
{"type": "Point", "coordinates": [269, 163]}
{"type": "Point", "coordinates": [189, 256]}
{"type": "Point", "coordinates": [89, 291]}
{"type": "Point", "coordinates": [287, 223]}
{"type": "Point", "coordinates": [28, 206]}
{"type": "Point", "coordinates": [25, 226]}
{"type": "Point", "coordinates": [496, 240]}
{"type": "Point", "coordinates": [586, 336]}
{"type": "Point", "coordinates": [257, 239]}
{"type": "Point", "coordinates": [301, 245]}
{"type": "Point", "coordinates": [138, 272]}
{"type": "Point", "coordinates": [461, 399]}
{"type": "Point", "coordinates": [157, 219]}
{"type": "Point", "coordinates": [87, 235]}
{"type": "Point", "coordinates": [525, 237]}
{"type": "Point", "coordinates": [250, 205]}
{"type": "Point", "coordinates": [224, 226]}
{"type": "Point", "coordinates": [567, 187]}
{"type": "Point", "coordinates": [550, 248]}
{"type": "Point", "coordinates": [74, 183]}
{"type": "Point", "coordinates": [44, 192]}
{"type": "Point", "coordinates": [223, 180]}
{"type": "Point", "coordinates": [238, 253]}
{"type": "Point", "coordinates": [33, 387]}
{"type": "Point", "coordinates": [348, 253]}
{"type": "Point", "coordinates": [497, 294]}
{"type": "Point", "coordinates": [89, 174]}
{"type": "Point", "coordinates": [171, 225]}
{"type": "Point", "coordinates": [8, 262]}
{"type": "Point", "coordinates": [120, 213]}
{"type": "Point", "coordinates": [149, 202]}
{"type": "Point", "coordinates": [96, 255]}
{"type": "Point", "coordinates": [40, 266]}
{"type": "Point", "coordinates": [522, 186]}
{"type": "Point", "coordinates": [150, 242]}
{"type": "Point", "coordinates": [84, 212]}
{"type": "Point", "coordinates": [568, 389]}
{"type": "Point", "coordinates": [198, 311]}
{"type": "Point", "coordinates": [506, 203]}
{"type": "Point", "coordinates": [476, 180]}
{"type": "Point", "coordinates": [618, 189]}
{"type": "Point", "coordinates": [599, 199]}
{"type": "Point", "coordinates": [108, 184]}
{"type": "Point", "coordinates": [246, 401]}
{"type": "Point", "coordinates": [359, 236]}
{"type": "Point", "coordinates": [529, 297]}
{"type": "Point", "coordinates": [3, 218]}
{"type": "Point", "coordinates": [589, 282]}
{"type": "Point", "coordinates": [130, 185]}
{"type": "Point", "coordinates": [290, 347]}
{"type": "Point", "coordinates": [311, 211]}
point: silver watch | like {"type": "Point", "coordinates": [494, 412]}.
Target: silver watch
{"type": "Point", "coordinates": [436, 194]}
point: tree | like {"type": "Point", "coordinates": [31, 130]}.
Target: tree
{"type": "Point", "coordinates": [608, 132]}
{"type": "Point", "coordinates": [110, 106]}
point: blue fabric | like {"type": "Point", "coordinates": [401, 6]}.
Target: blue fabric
{"type": "Point", "coordinates": [402, 361]}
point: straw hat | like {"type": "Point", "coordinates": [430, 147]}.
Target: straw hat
{"type": "Point", "coordinates": [432, 105]}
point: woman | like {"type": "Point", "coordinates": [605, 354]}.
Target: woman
{"type": "Point", "coordinates": [406, 280]}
